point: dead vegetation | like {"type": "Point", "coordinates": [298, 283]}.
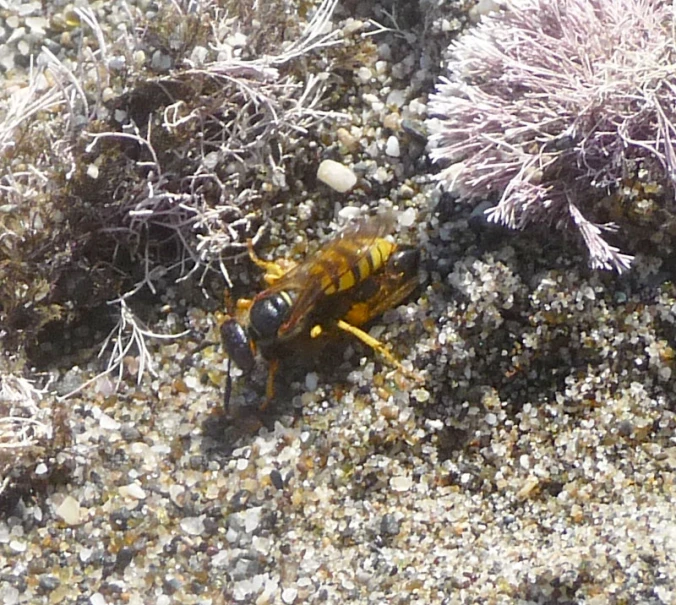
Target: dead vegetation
{"type": "Point", "coordinates": [148, 160]}
{"type": "Point", "coordinates": [158, 154]}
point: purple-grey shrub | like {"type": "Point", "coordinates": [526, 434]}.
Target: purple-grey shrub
{"type": "Point", "coordinates": [550, 102]}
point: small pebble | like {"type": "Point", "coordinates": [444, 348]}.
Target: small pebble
{"type": "Point", "coordinates": [276, 478]}
{"type": "Point", "coordinates": [9, 595]}
{"type": "Point", "coordinates": [389, 525]}
{"type": "Point", "coordinates": [407, 219]}
{"type": "Point", "coordinates": [49, 583]}
{"type": "Point", "coordinates": [392, 121]}
{"type": "Point", "coordinates": [401, 483]}
{"type": "Point", "coordinates": [252, 519]}
{"type": "Point", "coordinates": [17, 546]}
{"type": "Point", "coordinates": [421, 395]}
{"type": "Point", "coordinates": [364, 74]}
{"type": "Point", "coordinates": [289, 595]}
{"type": "Point", "coordinates": [346, 138]}
{"type": "Point", "coordinates": [193, 526]}
{"type": "Point", "coordinates": [108, 423]}
{"type": "Point", "coordinates": [311, 381]}
{"type": "Point", "coordinates": [85, 554]}
{"type": "Point", "coordinates": [336, 175]}
{"type": "Point", "coordinates": [392, 147]}
{"type": "Point", "coordinates": [133, 490]}
{"type": "Point", "coordinates": [69, 511]}
{"type": "Point", "coordinates": [97, 599]}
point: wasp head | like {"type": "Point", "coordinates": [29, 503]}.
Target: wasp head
{"type": "Point", "coordinates": [237, 344]}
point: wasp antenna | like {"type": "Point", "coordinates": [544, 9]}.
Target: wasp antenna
{"type": "Point", "coordinates": [228, 388]}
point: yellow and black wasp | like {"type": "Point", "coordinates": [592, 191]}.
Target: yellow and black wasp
{"type": "Point", "coordinates": [351, 280]}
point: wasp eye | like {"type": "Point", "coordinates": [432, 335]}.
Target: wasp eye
{"type": "Point", "coordinates": [267, 315]}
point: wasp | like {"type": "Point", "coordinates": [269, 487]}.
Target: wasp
{"type": "Point", "coordinates": [351, 280]}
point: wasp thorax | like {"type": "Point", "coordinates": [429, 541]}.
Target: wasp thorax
{"type": "Point", "coordinates": [267, 315]}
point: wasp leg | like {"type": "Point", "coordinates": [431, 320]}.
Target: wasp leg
{"type": "Point", "coordinates": [273, 270]}
{"type": "Point", "coordinates": [368, 340]}
{"type": "Point", "coordinates": [270, 384]}
{"type": "Point", "coordinates": [243, 304]}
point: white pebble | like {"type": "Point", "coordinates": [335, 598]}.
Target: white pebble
{"type": "Point", "coordinates": [407, 219]}
{"type": "Point", "coordinates": [119, 116]}
{"type": "Point", "coordinates": [220, 559]}
{"type": "Point", "coordinates": [133, 490]}
{"type": "Point", "coordinates": [417, 108]}
{"type": "Point", "coordinates": [336, 175]}
{"type": "Point", "coordinates": [193, 526]}
{"type": "Point", "coordinates": [483, 7]}
{"type": "Point", "coordinates": [37, 25]}
{"type": "Point", "coordinates": [242, 590]}
{"type": "Point", "coordinates": [160, 61]}
{"type": "Point", "coordinates": [117, 62]}
{"type": "Point", "coordinates": [421, 395]}
{"type": "Point", "coordinates": [199, 55]}
{"type": "Point", "coordinates": [252, 519]}
{"type": "Point", "coordinates": [401, 483]}
{"type": "Point", "coordinates": [289, 595]}
{"type": "Point", "coordinates": [17, 546]}
{"type": "Point", "coordinates": [364, 74]}
{"type": "Point", "coordinates": [396, 98]}
{"type": "Point", "coordinates": [9, 595]}
{"type": "Point", "coordinates": [108, 423]}
{"type": "Point", "coordinates": [392, 147]}
{"type": "Point", "coordinates": [349, 213]}
{"type": "Point", "coordinates": [69, 511]}
{"type": "Point", "coordinates": [23, 47]}
{"type": "Point", "coordinates": [98, 599]}
{"type": "Point", "coordinates": [381, 175]}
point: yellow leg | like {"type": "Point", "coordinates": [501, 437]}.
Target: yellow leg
{"type": "Point", "coordinates": [375, 344]}
{"type": "Point", "coordinates": [273, 270]}
{"type": "Point", "coordinates": [233, 309]}
{"type": "Point", "coordinates": [243, 304]}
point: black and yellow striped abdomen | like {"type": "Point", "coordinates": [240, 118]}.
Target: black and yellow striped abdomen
{"type": "Point", "coordinates": [348, 264]}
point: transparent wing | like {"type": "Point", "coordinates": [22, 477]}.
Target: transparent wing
{"type": "Point", "coordinates": [310, 279]}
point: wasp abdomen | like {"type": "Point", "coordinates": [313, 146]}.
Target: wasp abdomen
{"type": "Point", "coordinates": [341, 272]}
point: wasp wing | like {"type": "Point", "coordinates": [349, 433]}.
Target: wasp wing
{"type": "Point", "coordinates": [320, 275]}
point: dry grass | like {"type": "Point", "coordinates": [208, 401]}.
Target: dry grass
{"type": "Point", "coordinates": [122, 159]}
{"type": "Point", "coordinates": [25, 427]}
